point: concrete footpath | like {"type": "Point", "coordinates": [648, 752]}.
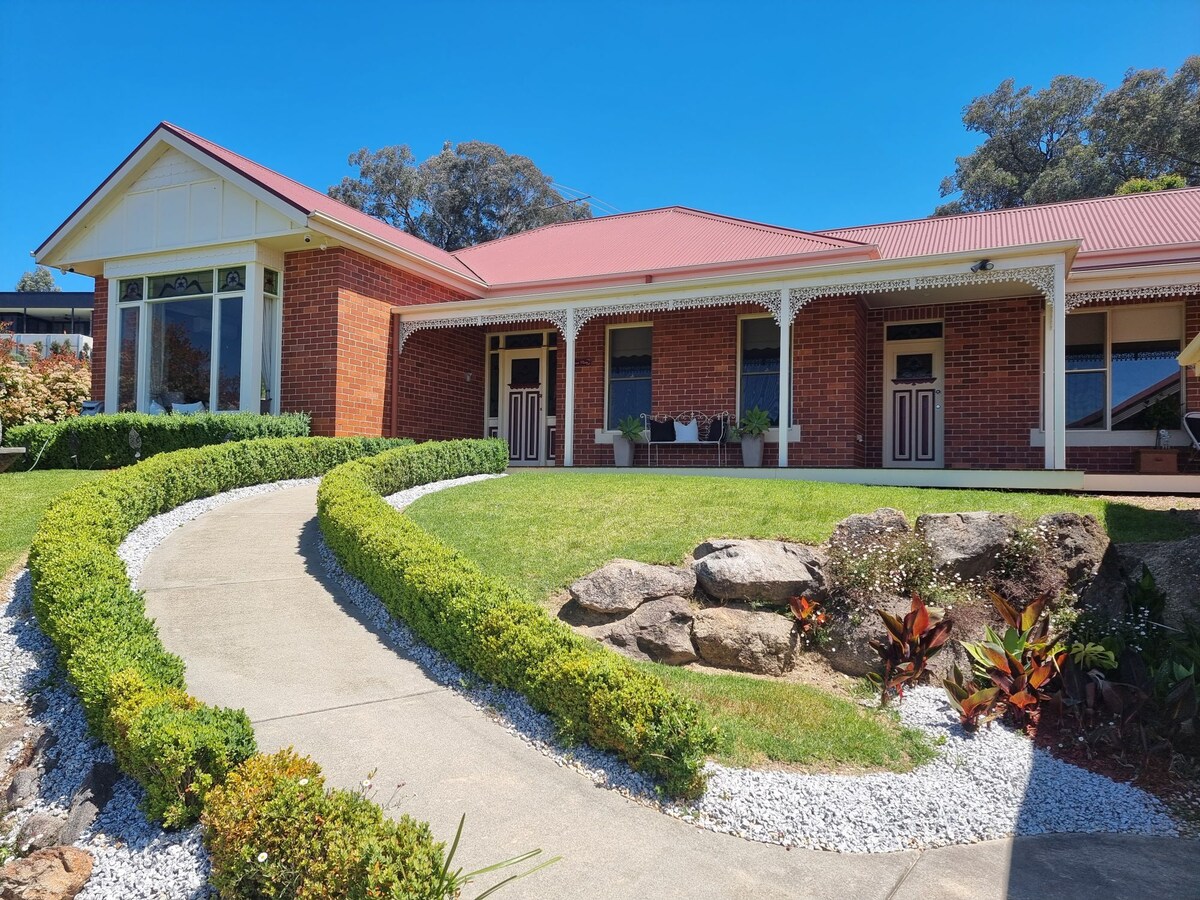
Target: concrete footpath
{"type": "Point", "coordinates": [240, 594]}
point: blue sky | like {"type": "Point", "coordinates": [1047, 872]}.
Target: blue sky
{"type": "Point", "coordinates": [804, 115]}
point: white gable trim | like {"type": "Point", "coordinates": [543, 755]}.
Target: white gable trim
{"type": "Point", "coordinates": [133, 167]}
{"type": "Point", "coordinates": [200, 258]}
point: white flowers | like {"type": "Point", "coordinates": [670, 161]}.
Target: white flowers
{"type": "Point", "coordinates": [302, 782]}
{"type": "Point", "coordinates": [366, 783]}
{"type": "Point", "coordinates": [262, 857]}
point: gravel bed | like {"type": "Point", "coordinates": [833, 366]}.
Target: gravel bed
{"type": "Point", "coordinates": [134, 859]}
{"type": "Point", "coordinates": [987, 785]}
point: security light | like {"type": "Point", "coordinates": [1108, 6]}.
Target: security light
{"type": "Point", "coordinates": [984, 265]}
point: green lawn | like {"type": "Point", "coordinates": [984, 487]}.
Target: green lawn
{"type": "Point", "coordinates": [24, 496]}
{"type": "Point", "coordinates": [762, 721]}
{"type": "Point", "coordinates": [540, 531]}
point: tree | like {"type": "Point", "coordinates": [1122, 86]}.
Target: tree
{"type": "Point", "coordinates": [40, 279]}
{"type": "Point", "coordinates": [467, 194]}
{"type": "Point", "coordinates": [1071, 140]}
{"type": "Point", "coordinates": [1147, 185]}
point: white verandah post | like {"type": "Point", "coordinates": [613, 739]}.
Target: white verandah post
{"type": "Point", "coordinates": [250, 391]}
{"type": "Point", "coordinates": [1054, 376]}
{"type": "Point", "coordinates": [569, 390]}
{"type": "Point", "coordinates": [785, 373]}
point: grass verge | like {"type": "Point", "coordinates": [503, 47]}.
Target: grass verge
{"type": "Point", "coordinates": [24, 496]}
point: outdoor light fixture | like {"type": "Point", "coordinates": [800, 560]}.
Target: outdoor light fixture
{"type": "Point", "coordinates": [984, 265]}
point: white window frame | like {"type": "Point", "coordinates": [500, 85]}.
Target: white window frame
{"type": "Point", "coordinates": [608, 330]}
{"type": "Point", "coordinates": [1107, 312]}
{"type": "Point", "coordinates": [784, 415]}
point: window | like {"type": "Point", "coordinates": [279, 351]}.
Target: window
{"type": "Point", "coordinates": [1121, 369]}
{"type": "Point", "coordinates": [194, 323]}
{"type": "Point", "coordinates": [759, 367]}
{"type": "Point", "coordinates": [629, 359]}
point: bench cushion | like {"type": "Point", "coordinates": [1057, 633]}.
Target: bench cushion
{"type": "Point", "coordinates": [687, 433]}
{"type": "Point", "coordinates": [662, 432]}
{"type": "Point", "coordinates": [716, 430]}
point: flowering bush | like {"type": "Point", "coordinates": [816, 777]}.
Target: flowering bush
{"type": "Point", "coordinates": [33, 389]}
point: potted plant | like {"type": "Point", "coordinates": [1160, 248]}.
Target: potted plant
{"type": "Point", "coordinates": [752, 430]}
{"type": "Point", "coordinates": [630, 430]}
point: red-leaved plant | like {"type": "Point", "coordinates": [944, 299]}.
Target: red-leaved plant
{"type": "Point", "coordinates": [910, 643]}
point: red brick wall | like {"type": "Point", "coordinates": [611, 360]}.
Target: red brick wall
{"type": "Point", "coordinates": [337, 334]}
{"type": "Point", "coordinates": [99, 338]}
{"type": "Point", "coordinates": [441, 385]}
{"type": "Point", "coordinates": [829, 354]}
{"type": "Point", "coordinates": [992, 384]}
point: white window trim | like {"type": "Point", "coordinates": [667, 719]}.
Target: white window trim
{"type": "Point", "coordinates": [1111, 437]}
{"type": "Point", "coordinates": [608, 330]}
{"type": "Point", "coordinates": [737, 388]}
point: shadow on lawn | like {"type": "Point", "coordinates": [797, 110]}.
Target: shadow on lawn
{"type": "Point", "coordinates": [1129, 524]}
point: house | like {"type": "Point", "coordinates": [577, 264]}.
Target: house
{"type": "Point", "coordinates": [49, 319]}
{"type": "Point", "coordinates": [1023, 347]}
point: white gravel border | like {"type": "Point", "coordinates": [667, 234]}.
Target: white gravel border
{"type": "Point", "coordinates": [987, 785]}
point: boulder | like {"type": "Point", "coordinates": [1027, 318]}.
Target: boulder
{"type": "Point", "coordinates": [40, 831]}
{"type": "Point", "coordinates": [623, 585]}
{"type": "Point", "coordinates": [870, 529]}
{"type": "Point", "coordinates": [658, 630]}
{"type": "Point", "coordinates": [91, 797]}
{"type": "Point", "coordinates": [759, 571]}
{"type": "Point", "coordinates": [1076, 544]}
{"type": "Point", "coordinates": [1175, 566]}
{"type": "Point", "coordinates": [56, 873]}
{"type": "Point", "coordinates": [22, 788]}
{"type": "Point", "coordinates": [735, 638]}
{"type": "Point", "coordinates": [966, 544]}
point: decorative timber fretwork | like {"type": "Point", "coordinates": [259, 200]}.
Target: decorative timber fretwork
{"type": "Point", "coordinates": [1041, 278]}
{"type": "Point", "coordinates": [556, 317]}
{"type": "Point", "coordinates": [767, 299]}
{"type": "Point", "coordinates": [1105, 295]}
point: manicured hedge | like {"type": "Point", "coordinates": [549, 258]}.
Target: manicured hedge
{"type": "Point", "coordinates": [274, 830]}
{"type": "Point", "coordinates": [132, 690]}
{"type": "Point", "coordinates": [103, 441]}
{"type": "Point", "coordinates": [592, 694]}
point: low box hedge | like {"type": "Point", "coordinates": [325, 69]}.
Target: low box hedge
{"type": "Point", "coordinates": [102, 442]}
{"type": "Point", "coordinates": [132, 690]}
{"type": "Point", "coordinates": [592, 694]}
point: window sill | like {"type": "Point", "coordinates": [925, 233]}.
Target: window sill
{"type": "Point", "coordinates": [1098, 438]}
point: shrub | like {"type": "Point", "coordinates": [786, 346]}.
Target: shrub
{"type": "Point", "coordinates": [131, 688]}
{"type": "Point", "coordinates": [36, 389]}
{"type": "Point", "coordinates": [102, 442]}
{"type": "Point", "coordinates": [484, 626]}
{"type": "Point", "coordinates": [275, 831]}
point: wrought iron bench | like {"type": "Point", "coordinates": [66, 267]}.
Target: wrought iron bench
{"type": "Point", "coordinates": [689, 429]}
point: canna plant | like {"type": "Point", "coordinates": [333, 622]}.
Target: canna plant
{"type": "Point", "coordinates": [910, 642]}
{"type": "Point", "coordinates": [1021, 664]}
{"type": "Point", "coordinates": [974, 703]}
{"type": "Point", "coordinates": [811, 617]}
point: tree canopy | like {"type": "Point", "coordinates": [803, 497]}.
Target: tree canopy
{"type": "Point", "coordinates": [1073, 140]}
{"type": "Point", "coordinates": [467, 194]}
{"type": "Point", "coordinates": [40, 279]}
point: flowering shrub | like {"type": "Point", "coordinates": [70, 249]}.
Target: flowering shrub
{"type": "Point", "coordinates": [900, 567]}
{"type": "Point", "coordinates": [33, 389]}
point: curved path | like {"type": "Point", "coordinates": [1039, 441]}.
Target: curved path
{"type": "Point", "coordinates": [240, 593]}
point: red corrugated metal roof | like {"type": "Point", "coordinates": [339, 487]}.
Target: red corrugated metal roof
{"type": "Point", "coordinates": [654, 240]}
{"type": "Point", "coordinates": [1105, 223]}
{"type": "Point", "coordinates": [309, 201]}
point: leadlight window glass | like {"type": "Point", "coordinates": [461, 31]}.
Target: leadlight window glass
{"type": "Point", "coordinates": [271, 282]}
{"type": "Point", "coordinates": [184, 284]}
{"type": "Point", "coordinates": [229, 280]}
{"type": "Point", "coordinates": [629, 373]}
{"type": "Point", "coordinates": [130, 291]}
{"type": "Point", "coordinates": [523, 341]}
{"type": "Point", "coordinates": [914, 331]}
{"type": "Point", "coordinates": [760, 367]}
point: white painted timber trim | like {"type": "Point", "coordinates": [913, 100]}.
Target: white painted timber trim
{"type": "Point", "coordinates": [1027, 479]}
{"type": "Point", "coordinates": [200, 258]}
{"type": "Point", "coordinates": [602, 436]}
{"type": "Point", "coordinates": [1098, 438]}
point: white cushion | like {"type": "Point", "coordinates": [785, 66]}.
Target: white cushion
{"type": "Point", "coordinates": [156, 409]}
{"type": "Point", "coordinates": [187, 409]}
{"type": "Point", "coordinates": [687, 434]}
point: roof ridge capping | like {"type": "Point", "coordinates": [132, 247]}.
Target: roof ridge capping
{"type": "Point", "coordinates": [1010, 210]}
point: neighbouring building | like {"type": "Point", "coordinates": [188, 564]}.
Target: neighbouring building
{"type": "Point", "coordinates": [1036, 344]}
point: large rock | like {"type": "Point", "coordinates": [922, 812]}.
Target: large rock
{"type": "Point", "coordinates": [1175, 566]}
{"type": "Point", "coordinates": [1076, 544]}
{"type": "Point", "coordinates": [862, 531]}
{"type": "Point", "coordinates": [659, 630]}
{"type": "Point", "coordinates": [623, 585]}
{"type": "Point", "coordinates": [761, 642]}
{"type": "Point", "coordinates": [22, 789]}
{"type": "Point", "coordinates": [93, 795]}
{"type": "Point", "coordinates": [56, 873]}
{"type": "Point", "coordinates": [759, 571]}
{"type": "Point", "coordinates": [40, 831]}
{"type": "Point", "coordinates": [966, 544]}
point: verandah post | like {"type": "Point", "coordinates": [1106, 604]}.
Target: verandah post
{"type": "Point", "coordinates": [785, 373]}
{"type": "Point", "coordinates": [569, 400]}
{"type": "Point", "coordinates": [1059, 343]}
